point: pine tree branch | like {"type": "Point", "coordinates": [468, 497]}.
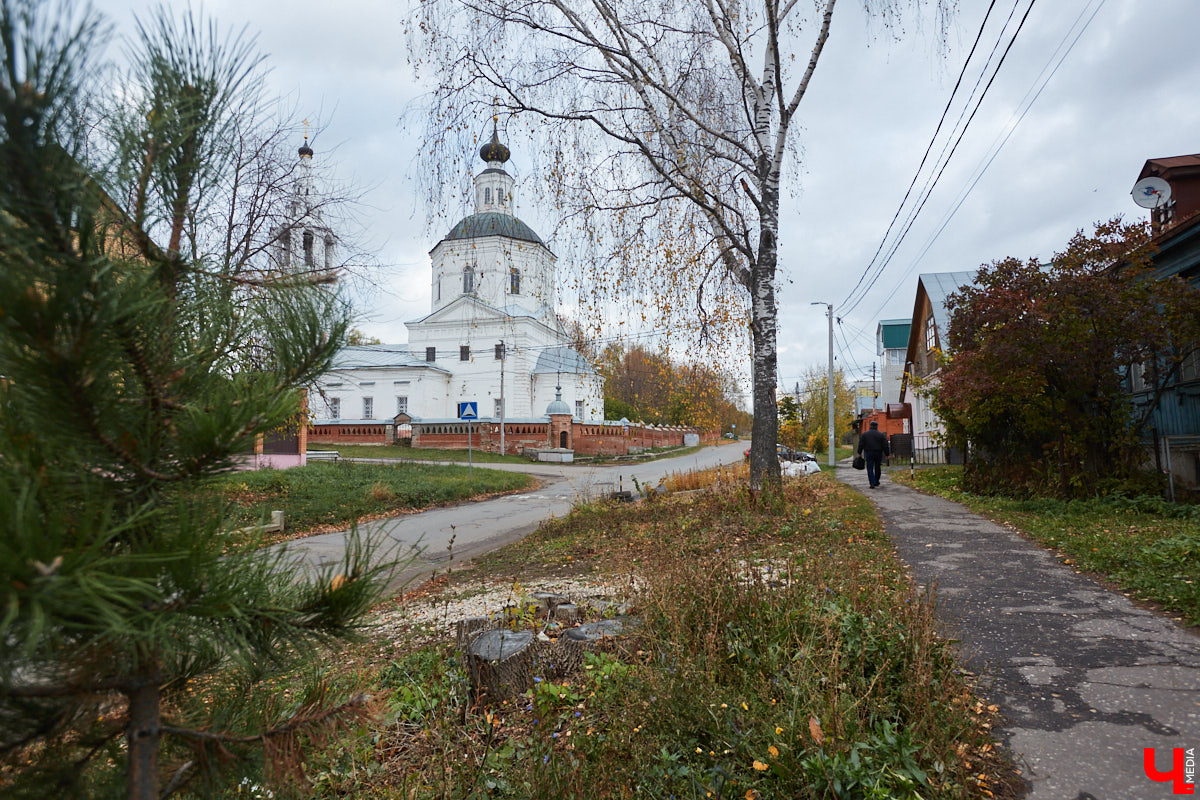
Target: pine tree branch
{"type": "Point", "coordinates": [297, 722]}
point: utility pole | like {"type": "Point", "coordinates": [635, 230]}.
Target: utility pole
{"type": "Point", "coordinates": [874, 390]}
{"type": "Point", "coordinates": [503, 355]}
{"type": "Point", "coordinates": [829, 379]}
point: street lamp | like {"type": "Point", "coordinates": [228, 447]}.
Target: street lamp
{"type": "Point", "coordinates": [829, 379]}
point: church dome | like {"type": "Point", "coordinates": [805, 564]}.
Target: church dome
{"type": "Point", "coordinates": [492, 223]}
{"type": "Point", "coordinates": [494, 150]}
{"type": "Point", "coordinates": [557, 406]}
{"type": "Point", "coordinates": [305, 150]}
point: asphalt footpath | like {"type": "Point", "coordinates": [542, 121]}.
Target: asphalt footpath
{"type": "Point", "coordinates": [1085, 679]}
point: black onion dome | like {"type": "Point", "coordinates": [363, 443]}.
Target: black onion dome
{"type": "Point", "coordinates": [494, 150]}
{"type": "Point", "coordinates": [305, 150]}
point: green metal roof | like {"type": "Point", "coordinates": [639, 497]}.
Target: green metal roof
{"type": "Point", "coordinates": [895, 333]}
{"type": "Point", "coordinates": [492, 223]}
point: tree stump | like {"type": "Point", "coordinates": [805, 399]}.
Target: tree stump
{"type": "Point", "coordinates": [501, 663]}
{"type": "Point", "coordinates": [465, 631]}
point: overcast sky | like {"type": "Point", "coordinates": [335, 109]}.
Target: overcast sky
{"type": "Point", "coordinates": [1128, 90]}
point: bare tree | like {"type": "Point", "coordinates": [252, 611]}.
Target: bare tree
{"type": "Point", "coordinates": [670, 131]}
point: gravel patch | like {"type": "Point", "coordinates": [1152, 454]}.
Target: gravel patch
{"type": "Point", "coordinates": [437, 614]}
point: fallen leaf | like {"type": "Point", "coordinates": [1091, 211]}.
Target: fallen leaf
{"type": "Point", "coordinates": [814, 730]}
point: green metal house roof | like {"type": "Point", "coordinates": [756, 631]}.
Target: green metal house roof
{"type": "Point", "coordinates": [894, 333]}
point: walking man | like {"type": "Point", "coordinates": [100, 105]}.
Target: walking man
{"type": "Point", "coordinates": [873, 446]}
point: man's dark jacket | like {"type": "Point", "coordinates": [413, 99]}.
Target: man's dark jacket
{"type": "Point", "coordinates": [873, 441]}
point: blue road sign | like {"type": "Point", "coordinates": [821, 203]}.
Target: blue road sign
{"type": "Point", "coordinates": [468, 410]}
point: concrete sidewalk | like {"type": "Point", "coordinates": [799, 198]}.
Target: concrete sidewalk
{"type": "Point", "coordinates": [1084, 678]}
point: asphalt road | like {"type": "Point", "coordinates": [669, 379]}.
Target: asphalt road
{"type": "Point", "coordinates": [421, 540]}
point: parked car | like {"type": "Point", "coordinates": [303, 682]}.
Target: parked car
{"type": "Point", "coordinates": [788, 454]}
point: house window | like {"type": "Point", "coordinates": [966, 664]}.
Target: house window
{"type": "Point", "coordinates": [431, 354]}
{"type": "Point", "coordinates": [308, 248]}
{"type": "Point", "coordinates": [895, 358]}
{"type": "Point", "coordinates": [464, 352]}
{"type": "Point", "coordinates": [500, 351]}
{"type": "Point", "coordinates": [1189, 369]}
{"type": "Point", "coordinates": [368, 408]}
{"type": "Point", "coordinates": [497, 408]}
{"type": "Point", "coordinates": [578, 409]}
{"type": "Point", "coordinates": [468, 280]}
{"type": "Point", "coordinates": [401, 404]}
{"type": "Point", "coordinates": [514, 281]}
{"type": "Point", "coordinates": [1137, 375]}
{"type": "Point", "coordinates": [930, 335]}
{"type": "Point", "coordinates": [335, 408]}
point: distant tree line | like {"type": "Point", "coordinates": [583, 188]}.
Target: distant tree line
{"type": "Point", "coordinates": [644, 385]}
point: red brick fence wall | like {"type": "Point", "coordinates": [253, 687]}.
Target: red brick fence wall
{"type": "Point", "coordinates": [587, 438]}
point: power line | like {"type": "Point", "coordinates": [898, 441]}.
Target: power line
{"type": "Point", "coordinates": [931, 184]}
{"type": "Point", "coordinates": [998, 144]}
{"type": "Point", "coordinates": [928, 149]}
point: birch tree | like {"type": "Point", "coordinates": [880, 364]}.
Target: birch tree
{"type": "Point", "coordinates": [668, 137]}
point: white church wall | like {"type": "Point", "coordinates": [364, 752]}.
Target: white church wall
{"type": "Point", "coordinates": [492, 260]}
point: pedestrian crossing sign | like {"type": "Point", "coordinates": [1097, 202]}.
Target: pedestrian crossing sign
{"type": "Point", "coordinates": [468, 410]}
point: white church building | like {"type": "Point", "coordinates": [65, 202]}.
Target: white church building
{"type": "Point", "coordinates": [492, 335]}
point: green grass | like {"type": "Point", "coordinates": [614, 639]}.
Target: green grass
{"type": "Point", "coordinates": [418, 453]}
{"type": "Point", "coordinates": [821, 676]}
{"type": "Point", "coordinates": [1147, 546]}
{"type": "Point", "coordinates": [326, 495]}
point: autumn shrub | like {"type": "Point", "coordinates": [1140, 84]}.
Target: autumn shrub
{"type": "Point", "coordinates": [1042, 361]}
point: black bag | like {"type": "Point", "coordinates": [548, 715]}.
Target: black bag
{"type": "Point", "coordinates": [859, 462]}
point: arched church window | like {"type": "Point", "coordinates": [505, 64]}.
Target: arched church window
{"type": "Point", "coordinates": [438, 287]}
{"type": "Point", "coordinates": [329, 252]}
{"type": "Point", "coordinates": [499, 195]}
{"type": "Point", "coordinates": [514, 281]}
{"type": "Point", "coordinates": [487, 195]}
{"type": "Point", "coordinates": [468, 280]}
{"type": "Point", "coordinates": [308, 249]}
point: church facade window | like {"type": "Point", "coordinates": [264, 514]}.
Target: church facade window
{"type": "Point", "coordinates": [335, 408]}
{"type": "Point", "coordinates": [578, 409]}
{"type": "Point", "coordinates": [368, 408]}
{"type": "Point", "coordinates": [499, 351]}
{"type": "Point", "coordinates": [328, 253]}
{"type": "Point", "coordinates": [487, 195]}
{"type": "Point", "coordinates": [464, 352]}
{"type": "Point", "coordinates": [468, 280]}
{"type": "Point", "coordinates": [308, 249]}
{"type": "Point", "coordinates": [514, 281]}
{"type": "Point", "coordinates": [431, 354]}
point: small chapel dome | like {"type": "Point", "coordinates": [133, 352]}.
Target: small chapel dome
{"type": "Point", "coordinates": [558, 406]}
{"type": "Point", "coordinates": [305, 150]}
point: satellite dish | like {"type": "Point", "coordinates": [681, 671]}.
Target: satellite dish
{"type": "Point", "coordinates": [1151, 192]}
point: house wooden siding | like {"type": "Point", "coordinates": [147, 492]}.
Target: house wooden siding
{"type": "Point", "coordinates": [1172, 433]}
